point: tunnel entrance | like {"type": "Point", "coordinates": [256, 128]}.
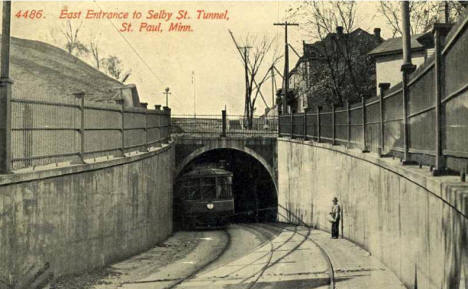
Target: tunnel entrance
{"type": "Point", "coordinates": [253, 189]}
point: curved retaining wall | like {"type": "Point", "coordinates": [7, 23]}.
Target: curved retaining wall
{"type": "Point", "coordinates": [416, 224]}
{"type": "Point", "coordinates": [81, 217]}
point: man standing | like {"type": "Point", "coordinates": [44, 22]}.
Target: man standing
{"type": "Point", "coordinates": [335, 218]}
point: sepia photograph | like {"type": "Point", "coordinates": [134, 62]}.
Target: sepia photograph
{"type": "Point", "coordinates": [234, 144]}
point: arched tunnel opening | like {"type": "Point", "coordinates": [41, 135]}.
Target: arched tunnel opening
{"type": "Point", "coordinates": [253, 189]}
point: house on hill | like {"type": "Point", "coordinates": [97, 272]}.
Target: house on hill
{"type": "Point", "coordinates": [334, 70]}
{"type": "Point", "coordinates": [41, 71]}
{"type": "Point", "coordinates": [388, 56]}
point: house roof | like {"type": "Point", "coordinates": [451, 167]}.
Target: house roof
{"type": "Point", "coordinates": [312, 50]}
{"type": "Point", "coordinates": [43, 71]}
{"type": "Point", "coordinates": [394, 46]}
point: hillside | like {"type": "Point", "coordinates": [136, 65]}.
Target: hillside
{"type": "Point", "coordinates": [43, 71]}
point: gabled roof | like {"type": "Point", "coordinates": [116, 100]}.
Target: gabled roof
{"type": "Point", "coordinates": [312, 50]}
{"type": "Point", "coordinates": [394, 46]}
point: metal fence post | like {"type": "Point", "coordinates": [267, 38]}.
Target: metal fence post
{"type": "Point", "coordinates": [5, 125]}
{"type": "Point", "coordinates": [80, 96]}
{"type": "Point", "coordinates": [305, 125]}
{"type": "Point", "coordinates": [291, 119]}
{"type": "Point", "coordinates": [157, 109]}
{"type": "Point", "coordinates": [122, 126]}
{"type": "Point", "coordinates": [5, 93]}
{"type": "Point", "coordinates": [440, 30]}
{"type": "Point", "coordinates": [318, 123]}
{"type": "Point", "coordinates": [279, 119]}
{"type": "Point", "coordinates": [383, 88]}
{"type": "Point", "coordinates": [364, 125]}
{"type": "Point", "coordinates": [145, 105]}
{"type": "Point", "coordinates": [223, 113]}
{"type": "Point", "coordinates": [348, 124]}
{"type": "Point", "coordinates": [167, 116]}
{"type": "Point", "coordinates": [333, 125]}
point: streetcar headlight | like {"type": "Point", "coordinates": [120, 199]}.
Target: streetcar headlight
{"type": "Point", "coordinates": [210, 206]}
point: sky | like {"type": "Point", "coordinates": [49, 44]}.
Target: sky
{"type": "Point", "coordinates": [201, 67]}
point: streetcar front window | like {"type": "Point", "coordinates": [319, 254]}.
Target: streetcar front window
{"type": "Point", "coordinates": [223, 188]}
{"type": "Point", "coordinates": [191, 190]}
{"type": "Point", "coordinates": [208, 188]}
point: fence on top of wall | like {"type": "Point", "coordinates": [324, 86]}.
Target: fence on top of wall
{"type": "Point", "coordinates": [74, 130]}
{"type": "Point", "coordinates": [435, 124]}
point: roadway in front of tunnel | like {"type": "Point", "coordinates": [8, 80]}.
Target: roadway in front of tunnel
{"type": "Point", "coordinates": [276, 256]}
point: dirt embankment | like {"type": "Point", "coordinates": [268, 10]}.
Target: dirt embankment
{"type": "Point", "coordinates": [134, 268]}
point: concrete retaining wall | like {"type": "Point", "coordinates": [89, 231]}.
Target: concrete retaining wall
{"type": "Point", "coordinates": [414, 223]}
{"type": "Point", "coordinates": [82, 217]}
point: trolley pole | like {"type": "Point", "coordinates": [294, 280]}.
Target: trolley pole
{"type": "Point", "coordinates": [5, 93]}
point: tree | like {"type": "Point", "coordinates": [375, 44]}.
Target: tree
{"type": "Point", "coordinates": [94, 47]}
{"type": "Point", "coordinates": [422, 14]}
{"type": "Point", "coordinates": [114, 67]}
{"type": "Point", "coordinates": [254, 60]}
{"type": "Point", "coordinates": [73, 44]}
{"type": "Point", "coordinates": [338, 68]}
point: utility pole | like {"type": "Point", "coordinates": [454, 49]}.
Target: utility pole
{"type": "Point", "coordinates": [272, 71]}
{"type": "Point", "coordinates": [286, 62]}
{"type": "Point", "coordinates": [166, 92]}
{"type": "Point", "coordinates": [407, 68]}
{"type": "Point", "coordinates": [247, 96]}
{"type": "Point", "coordinates": [5, 93]}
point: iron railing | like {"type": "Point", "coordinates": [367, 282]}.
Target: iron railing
{"type": "Point", "coordinates": [436, 119]}
{"type": "Point", "coordinates": [234, 125]}
{"type": "Point", "coordinates": [75, 130]}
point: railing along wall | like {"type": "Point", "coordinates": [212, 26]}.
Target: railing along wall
{"type": "Point", "coordinates": [437, 112]}
{"type": "Point", "coordinates": [74, 130]}
{"type": "Point", "coordinates": [234, 125]}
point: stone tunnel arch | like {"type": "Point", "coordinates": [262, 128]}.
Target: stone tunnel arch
{"type": "Point", "coordinates": [198, 152]}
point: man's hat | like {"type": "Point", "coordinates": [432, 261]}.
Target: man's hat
{"type": "Point", "coordinates": [335, 199]}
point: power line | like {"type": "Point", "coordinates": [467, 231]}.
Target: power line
{"type": "Point", "coordinates": [134, 50]}
{"type": "Point", "coordinates": [131, 46]}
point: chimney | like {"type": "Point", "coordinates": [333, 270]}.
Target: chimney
{"type": "Point", "coordinates": [377, 32]}
{"type": "Point", "coordinates": [339, 30]}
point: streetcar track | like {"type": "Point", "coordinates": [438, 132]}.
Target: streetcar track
{"type": "Point", "coordinates": [192, 274]}
{"type": "Point", "coordinates": [259, 258]}
{"type": "Point", "coordinates": [322, 250]}
{"type": "Point", "coordinates": [264, 268]}
{"type": "Point", "coordinates": [265, 230]}
{"type": "Point", "coordinates": [271, 264]}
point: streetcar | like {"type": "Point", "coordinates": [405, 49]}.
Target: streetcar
{"type": "Point", "coordinates": [204, 197]}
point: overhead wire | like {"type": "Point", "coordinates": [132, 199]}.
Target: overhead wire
{"type": "Point", "coordinates": [134, 50]}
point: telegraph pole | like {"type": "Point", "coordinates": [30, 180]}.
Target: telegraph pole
{"type": "Point", "coordinates": [272, 71]}
{"type": "Point", "coordinates": [166, 92]}
{"type": "Point", "coordinates": [286, 62]}
{"type": "Point", "coordinates": [247, 97]}
{"type": "Point", "coordinates": [407, 68]}
{"type": "Point", "coordinates": [5, 93]}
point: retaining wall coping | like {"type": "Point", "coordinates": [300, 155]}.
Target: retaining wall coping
{"type": "Point", "coordinates": [422, 177]}
{"type": "Point", "coordinates": [9, 179]}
